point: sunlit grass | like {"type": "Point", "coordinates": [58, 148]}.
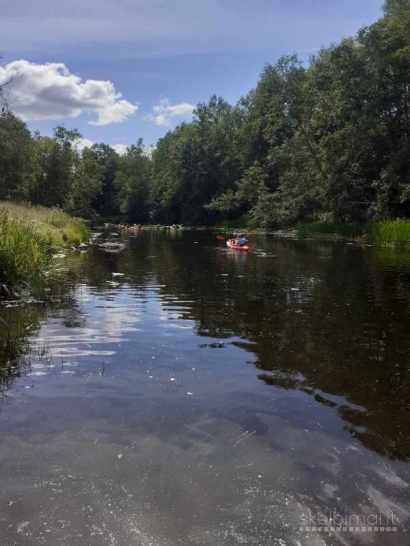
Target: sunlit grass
{"type": "Point", "coordinates": [53, 225]}
{"type": "Point", "coordinates": [29, 237]}
{"type": "Point", "coordinates": [25, 257]}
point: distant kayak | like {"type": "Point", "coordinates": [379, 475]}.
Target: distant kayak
{"type": "Point", "coordinates": [229, 244]}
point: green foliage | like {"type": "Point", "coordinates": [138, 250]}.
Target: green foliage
{"type": "Point", "coordinates": [347, 231]}
{"type": "Point", "coordinates": [195, 162]}
{"type": "Point", "coordinates": [394, 7]}
{"type": "Point", "coordinates": [24, 255]}
{"type": "Point", "coordinates": [105, 202]}
{"type": "Point", "coordinates": [17, 158]}
{"type": "Point", "coordinates": [132, 181]}
{"type": "Point", "coordinates": [54, 226]}
{"type": "Point", "coordinates": [244, 222]}
{"type": "Point", "coordinates": [395, 233]}
{"type": "Point", "coordinates": [27, 238]}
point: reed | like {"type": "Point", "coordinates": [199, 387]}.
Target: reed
{"type": "Point", "coordinates": [386, 233]}
{"type": "Point", "coordinates": [392, 233]}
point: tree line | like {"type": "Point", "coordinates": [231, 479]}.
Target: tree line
{"type": "Point", "coordinates": [327, 140]}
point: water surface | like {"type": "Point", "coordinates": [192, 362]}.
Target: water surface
{"type": "Point", "coordinates": [188, 394]}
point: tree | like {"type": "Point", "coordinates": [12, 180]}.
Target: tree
{"type": "Point", "coordinates": [394, 7]}
{"type": "Point", "coordinates": [132, 183]}
{"type": "Point", "coordinates": [58, 160]}
{"type": "Point", "coordinates": [87, 184]}
{"type": "Point", "coordinates": [17, 158]}
{"type": "Point", "coordinates": [105, 202]}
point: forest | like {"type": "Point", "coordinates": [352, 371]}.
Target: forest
{"type": "Point", "coordinates": [327, 140]}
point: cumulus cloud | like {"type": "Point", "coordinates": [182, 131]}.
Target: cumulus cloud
{"type": "Point", "coordinates": [121, 149]}
{"type": "Point", "coordinates": [51, 91]}
{"type": "Point", "coordinates": [164, 111]}
{"type": "Point", "coordinates": [82, 143]}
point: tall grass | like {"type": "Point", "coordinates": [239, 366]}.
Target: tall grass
{"type": "Point", "coordinates": [53, 225]}
{"type": "Point", "coordinates": [24, 256]}
{"type": "Point", "coordinates": [28, 239]}
{"type": "Point", "coordinates": [328, 228]}
{"type": "Point", "coordinates": [387, 233]}
{"type": "Point", "coordinates": [393, 233]}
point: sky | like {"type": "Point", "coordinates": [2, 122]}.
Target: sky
{"type": "Point", "coordinates": [121, 70]}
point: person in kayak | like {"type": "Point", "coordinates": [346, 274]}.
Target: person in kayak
{"type": "Point", "coordinates": [241, 240]}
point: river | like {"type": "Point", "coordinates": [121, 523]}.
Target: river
{"type": "Point", "coordinates": [188, 394]}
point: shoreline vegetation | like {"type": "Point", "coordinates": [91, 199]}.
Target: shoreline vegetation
{"type": "Point", "coordinates": [394, 234]}
{"type": "Point", "coordinates": [388, 233]}
{"type": "Point", "coordinates": [30, 237]}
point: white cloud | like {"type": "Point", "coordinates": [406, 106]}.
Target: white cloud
{"type": "Point", "coordinates": [82, 143]}
{"type": "Point", "coordinates": [164, 111]}
{"type": "Point", "coordinates": [50, 91]}
{"type": "Point", "coordinates": [121, 149]}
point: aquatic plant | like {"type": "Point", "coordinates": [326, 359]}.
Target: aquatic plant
{"type": "Point", "coordinates": [394, 233]}
{"type": "Point", "coordinates": [387, 233]}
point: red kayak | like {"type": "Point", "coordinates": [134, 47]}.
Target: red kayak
{"type": "Point", "coordinates": [229, 244]}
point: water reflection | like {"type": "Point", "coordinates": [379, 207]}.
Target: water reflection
{"type": "Point", "coordinates": [261, 383]}
{"type": "Point", "coordinates": [15, 327]}
{"type": "Point", "coordinates": [322, 318]}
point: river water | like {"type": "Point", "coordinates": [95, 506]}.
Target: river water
{"type": "Point", "coordinates": [188, 394]}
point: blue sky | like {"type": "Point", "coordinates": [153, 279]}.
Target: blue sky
{"type": "Point", "coordinates": [71, 61]}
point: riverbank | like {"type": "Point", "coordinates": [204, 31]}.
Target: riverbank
{"type": "Point", "coordinates": [29, 240]}
{"type": "Point", "coordinates": [388, 233]}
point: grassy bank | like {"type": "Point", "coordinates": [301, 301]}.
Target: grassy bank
{"type": "Point", "coordinates": [29, 237]}
{"type": "Point", "coordinates": [387, 233]}
{"type": "Point", "coordinates": [54, 227]}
